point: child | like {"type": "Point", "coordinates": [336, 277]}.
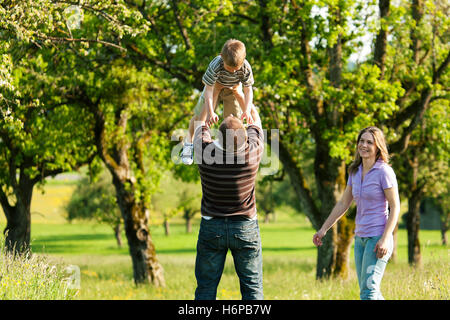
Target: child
{"type": "Point", "coordinates": [224, 79]}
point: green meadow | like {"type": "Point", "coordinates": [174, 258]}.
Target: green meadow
{"type": "Point", "coordinates": [289, 259]}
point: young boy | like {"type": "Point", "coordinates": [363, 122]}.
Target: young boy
{"type": "Point", "coordinates": [229, 78]}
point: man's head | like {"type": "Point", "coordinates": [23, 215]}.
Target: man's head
{"type": "Point", "coordinates": [233, 55]}
{"type": "Point", "coordinates": [233, 135]}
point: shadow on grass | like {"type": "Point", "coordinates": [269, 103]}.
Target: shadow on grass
{"type": "Point", "coordinates": [76, 244]}
{"type": "Point", "coordinates": [264, 250]}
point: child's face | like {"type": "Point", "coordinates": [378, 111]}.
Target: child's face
{"type": "Point", "coordinates": [230, 68]}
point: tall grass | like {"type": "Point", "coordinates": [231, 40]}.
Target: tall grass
{"type": "Point", "coordinates": [32, 277]}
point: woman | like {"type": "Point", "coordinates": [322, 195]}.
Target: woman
{"type": "Point", "coordinates": [373, 186]}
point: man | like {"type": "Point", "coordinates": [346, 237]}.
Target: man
{"type": "Point", "coordinates": [228, 169]}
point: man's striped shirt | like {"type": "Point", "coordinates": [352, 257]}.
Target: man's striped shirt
{"type": "Point", "coordinates": [216, 72]}
{"type": "Point", "coordinates": [228, 179]}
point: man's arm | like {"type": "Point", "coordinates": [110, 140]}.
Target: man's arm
{"type": "Point", "coordinates": [255, 115]}
{"type": "Point", "coordinates": [248, 94]}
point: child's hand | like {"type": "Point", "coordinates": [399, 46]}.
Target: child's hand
{"type": "Point", "coordinates": [246, 115]}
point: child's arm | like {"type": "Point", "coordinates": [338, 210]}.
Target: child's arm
{"type": "Point", "coordinates": [208, 95]}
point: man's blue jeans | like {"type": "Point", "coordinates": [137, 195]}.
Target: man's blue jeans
{"type": "Point", "coordinates": [242, 237]}
{"type": "Point", "coordinates": [369, 268]}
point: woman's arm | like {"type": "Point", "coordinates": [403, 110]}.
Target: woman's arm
{"type": "Point", "coordinates": [391, 194]}
{"type": "Point", "coordinates": [338, 211]}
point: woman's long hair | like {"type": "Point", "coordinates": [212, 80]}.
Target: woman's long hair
{"type": "Point", "coordinates": [380, 143]}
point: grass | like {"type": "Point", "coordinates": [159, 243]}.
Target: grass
{"type": "Point", "coordinates": [32, 277]}
{"type": "Point", "coordinates": [289, 260]}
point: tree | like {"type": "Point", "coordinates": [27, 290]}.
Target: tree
{"type": "Point", "coordinates": [95, 200]}
{"type": "Point", "coordinates": [319, 104]}
{"type": "Point", "coordinates": [302, 51]}
{"type": "Point", "coordinates": [266, 197]}
{"type": "Point", "coordinates": [39, 136]}
{"type": "Point", "coordinates": [422, 167]}
{"type": "Point", "coordinates": [420, 62]}
{"type": "Point", "coordinates": [185, 199]}
{"type": "Point", "coordinates": [92, 77]}
{"type": "Point", "coordinates": [299, 52]}
{"type": "Point", "coordinates": [444, 202]}
{"type": "Point", "coordinates": [189, 203]}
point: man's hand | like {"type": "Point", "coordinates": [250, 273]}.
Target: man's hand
{"type": "Point", "coordinates": [247, 115]}
{"type": "Point", "coordinates": [212, 119]}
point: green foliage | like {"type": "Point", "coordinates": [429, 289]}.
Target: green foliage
{"type": "Point", "coordinates": [184, 199]}
{"type": "Point", "coordinates": [94, 201]}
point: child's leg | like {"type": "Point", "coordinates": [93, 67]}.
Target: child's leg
{"type": "Point", "coordinates": [191, 129]}
{"type": "Point", "coordinates": [198, 109]}
{"type": "Point", "coordinates": [217, 90]}
{"type": "Point", "coordinates": [230, 104]}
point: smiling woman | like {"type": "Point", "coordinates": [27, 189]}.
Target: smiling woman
{"type": "Point", "coordinates": [373, 186]}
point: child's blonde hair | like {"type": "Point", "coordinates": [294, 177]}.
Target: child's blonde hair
{"type": "Point", "coordinates": [233, 53]}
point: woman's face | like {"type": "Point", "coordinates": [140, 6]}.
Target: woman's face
{"type": "Point", "coordinates": [366, 146]}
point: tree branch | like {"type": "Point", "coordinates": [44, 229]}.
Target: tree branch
{"type": "Point", "coordinates": [265, 25]}
{"type": "Point", "coordinates": [183, 31]}
{"type": "Point", "coordinates": [65, 39]}
{"type": "Point", "coordinates": [381, 40]}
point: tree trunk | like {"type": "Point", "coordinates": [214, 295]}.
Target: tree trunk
{"type": "Point", "coordinates": [326, 255]}
{"type": "Point", "coordinates": [413, 227]}
{"type": "Point", "coordinates": [444, 228]}
{"type": "Point", "coordinates": [117, 235]}
{"type": "Point", "coordinates": [18, 219]}
{"type": "Point", "coordinates": [381, 40]}
{"type": "Point", "coordinates": [444, 236]}
{"type": "Point", "coordinates": [345, 234]}
{"type": "Point", "coordinates": [146, 268]}
{"type": "Point", "coordinates": [333, 255]}
{"type": "Point", "coordinates": [188, 224]}
{"type": "Point", "coordinates": [166, 227]}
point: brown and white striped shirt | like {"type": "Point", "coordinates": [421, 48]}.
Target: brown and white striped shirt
{"type": "Point", "coordinates": [228, 179]}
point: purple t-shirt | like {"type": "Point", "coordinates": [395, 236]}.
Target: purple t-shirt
{"type": "Point", "coordinates": [372, 206]}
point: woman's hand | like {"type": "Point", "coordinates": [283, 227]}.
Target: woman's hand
{"type": "Point", "coordinates": [381, 248]}
{"type": "Point", "coordinates": [317, 238]}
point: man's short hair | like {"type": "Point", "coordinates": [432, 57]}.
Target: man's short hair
{"type": "Point", "coordinates": [233, 135]}
{"type": "Point", "coordinates": [233, 53]}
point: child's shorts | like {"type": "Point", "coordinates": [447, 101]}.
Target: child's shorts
{"type": "Point", "coordinates": [230, 103]}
